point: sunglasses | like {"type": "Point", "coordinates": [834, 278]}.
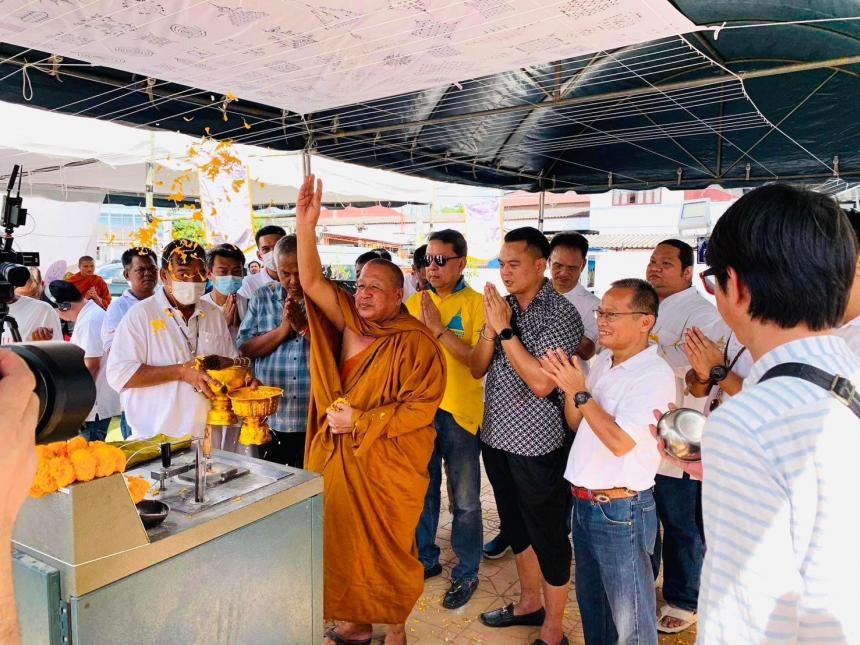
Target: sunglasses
{"type": "Point", "coordinates": [440, 260]}
{"type": "Point", "coordinates": [709, 279]}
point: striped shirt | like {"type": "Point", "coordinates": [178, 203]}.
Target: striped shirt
{"type": "Point", "coordinates": [779, 496]}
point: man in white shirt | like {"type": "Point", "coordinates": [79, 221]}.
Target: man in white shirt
{"type": "Point", "coordinates": [567, 261]}
{"type": "Point", "coordinates": [151, 361]}
{"type": "Point", "coordinates": [780, 457]}
{"type": "Point", "coordinates": [140, 268]}
{"type": "Point", "coordinates": [682, 307]}
{"type": "Point", "coordinates": [37, 320]}
{"type": "Point", "coordinates": [224, 267]}
{"type": "Point", "coordinates": [417, 281]}
{"type": "Point", "coordinates": [850, 328]}
{"type": "Point", "coordinates": [612, 465]}
{"type": "Point", "coordinates": [266, 239]}
{"type": "Point", "coordinates": [88, 318]}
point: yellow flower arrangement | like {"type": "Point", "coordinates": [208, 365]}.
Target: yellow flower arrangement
{"type": "Point", "coordinates": [63, 463]}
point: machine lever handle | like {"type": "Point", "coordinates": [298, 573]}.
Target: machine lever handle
{"type": "Point", "coordinates": [165, 454]}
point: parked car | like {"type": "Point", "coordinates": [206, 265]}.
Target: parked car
{"type": "Point", "coordinates": [112, 274]}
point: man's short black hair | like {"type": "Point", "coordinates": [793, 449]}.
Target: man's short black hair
{"type": "Point", "coordinates": [644, 298]}
{"type": "Point", "coordinates": [452, 237]}
{"type": "Point", "coordinates": [137, 252]}
{"type": "Point", "coordinates": [270, 229]}
{"type": "Point", "coordinates": [62, 291]}
{"type": "Point", "coordinates": [229, 251]}
{"type": "Point", "coordinates": [182, 251]}
{"type": "Point", "coordinates": [854, 219]}
{"type": "Point", "coordinates": [534, 239]}
{"type": "Point", "coordinates": [375, 254]}
{"type": "Point", "coordinates": [254, 262]}
{"type": "Point", "coordinates": [685, 251]}
{"type": "Point", "coordinates": [571, 241]}
{"type": "Point", "coordinates": [795, 251]}
{"type": "Point", "coordinates": [418, 256]}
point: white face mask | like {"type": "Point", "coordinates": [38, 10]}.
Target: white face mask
{"type": "Point", "coordinates": [188, 293]}
{"type": "Point", "coordinates": [269, 261]}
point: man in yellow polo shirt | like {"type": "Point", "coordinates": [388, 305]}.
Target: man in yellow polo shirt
{"type": "Point", "coordinates": [454, 312]}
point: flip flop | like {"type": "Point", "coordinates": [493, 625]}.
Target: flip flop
{"type": "Point", "coordinates": [332, 635]}
{"type": "Point", "coordinates": [688, 618]}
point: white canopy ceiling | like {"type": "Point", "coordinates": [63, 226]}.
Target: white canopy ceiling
{"type": "Point", "coordinates": [308, 55]}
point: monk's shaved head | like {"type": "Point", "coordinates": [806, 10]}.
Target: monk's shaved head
{"type": "Point", "coordinates": [390, 269]}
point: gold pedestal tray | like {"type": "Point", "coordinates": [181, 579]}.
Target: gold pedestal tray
{"type": "Point", "coordinates": [255, 406]}
{"type": "Point", "coordinates": [227, 380]}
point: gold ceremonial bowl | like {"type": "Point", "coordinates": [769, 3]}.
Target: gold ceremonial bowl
{"type": "Point", "coordinates": [226, 381]}
{"type": "Point", "coordinates": [255, 406]}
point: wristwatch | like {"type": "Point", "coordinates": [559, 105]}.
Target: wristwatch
{"type": "Point", "coordinates": [506, 334]}
{"type": "Point", "coordinates": [581, 398]}
{"type": "Point", "coordinates": [718, 373]}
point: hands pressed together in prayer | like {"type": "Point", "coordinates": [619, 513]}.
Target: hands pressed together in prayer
{"type": "Point", "coordinates": [430, 315]}
{"type": "Point", "coordinates": [294, 318]}
{"type": "Point", "coordinates": [231, 311]}
{"type": "Point", "coordinates": [91, 294]}
{"type": "Point", "coordinates": [497, 311]}
{"type": "Point", "coordinates": [702, 352]}
{"type": "Point", "coordinates": [566, 372]}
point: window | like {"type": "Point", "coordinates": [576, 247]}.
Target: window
{"type": "Point", "coordinates": [634, 197]}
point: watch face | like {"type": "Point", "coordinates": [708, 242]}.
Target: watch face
{"type": "Point", "coordinates": [719, 373]}
{"type": "Point", "coordinates": [506, 334]}
{"type": "Point", "coordinates": [581, 397]}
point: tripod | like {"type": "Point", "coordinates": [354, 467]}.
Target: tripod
{"type": "Point", "coordinates": [6, 319]}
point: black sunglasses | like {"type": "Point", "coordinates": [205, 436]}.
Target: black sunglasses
{"type": "Point", "coordinates": [440, 260]}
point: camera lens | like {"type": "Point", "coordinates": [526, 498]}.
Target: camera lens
{"type": "Point", "coordinates": [64, 386]}
{"type": "Point", "coordinates": [14, 274]}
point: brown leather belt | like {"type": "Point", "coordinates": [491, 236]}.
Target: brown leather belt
{"type": "Point", "coordinates": [603, 495]}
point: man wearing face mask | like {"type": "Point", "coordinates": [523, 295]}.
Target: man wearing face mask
{"type": "Point", "coordinates": [224, 264]}
{"type": "Point", "coordinates": [266, 239]}
{"type": "Point", "coordinates": [275, 334]}
{"type": "Point", "coordinates": [151, 361]}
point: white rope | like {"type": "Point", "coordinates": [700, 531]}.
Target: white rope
{"type": "Point", "coordinates": [777, 23]}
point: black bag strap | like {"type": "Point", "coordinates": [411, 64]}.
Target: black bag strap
{"type": "Point", "coordinates": [839, 386]}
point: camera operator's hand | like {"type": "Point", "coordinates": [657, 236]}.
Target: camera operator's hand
{"type": "Point", "coordinates": [43, 333]}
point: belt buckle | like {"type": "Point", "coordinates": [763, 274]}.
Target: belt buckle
{"type": "Point", "coordinates": [842, 389]}
{"type": "Point", "coordinates": [601, 498]}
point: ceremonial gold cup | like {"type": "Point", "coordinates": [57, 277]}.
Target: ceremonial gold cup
{"type": "Point", "coordinates": [255, 406]}
{"type": "Point", "coordinates": [227, 380]}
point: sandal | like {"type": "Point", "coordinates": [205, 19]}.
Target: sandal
{"type": "Point", "coordinates": [332, 635]}
{"type": "Point", "coordinates": [688, 618]}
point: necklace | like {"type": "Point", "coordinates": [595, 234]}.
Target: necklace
{"type": "Point", "coordinates": [196, 335]}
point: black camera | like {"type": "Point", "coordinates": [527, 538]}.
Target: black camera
{"type": "Point", "coordinates": [64, 386]}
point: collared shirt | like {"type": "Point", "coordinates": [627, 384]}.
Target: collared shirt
{"type": "Point", "coordinates": [628, 392]}
{"type": "Point", "coordinates": [30, 314]}
{"type": "Point", "coordinates": [678, 313]}
{"type": "Point", "coordinates": [241, 308]}
{"type": "Point", "coordinates": [287, 367]}
{"type": "Point", "coordinates": [463, 313]}
{"type": "Point", "coordinates": [515, 420]}
{"type": "Point", "coordinates": [154, 333]}
{"type": "Point", "coordinates": [850, 333]}
{"type": "Point", "coordinates": [780, 486]}
{"type": "Point", "coordinates": [253, 281]}
{"type": "Point", "coordinates": [585, 303]}
{"type": "Point", "coordinates": [88, 336]}
{"type": "Point", "coordinates": [116, 311]}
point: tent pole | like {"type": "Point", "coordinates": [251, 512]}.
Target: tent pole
{"type": "Point", "coordinates": [541, 203]}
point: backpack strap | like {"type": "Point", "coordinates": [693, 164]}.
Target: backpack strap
{"type": "Point", "coordinates": [839, 386]}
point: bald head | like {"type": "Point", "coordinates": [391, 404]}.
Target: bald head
{"type": "Point", "coordinates": [379, 291]}
{"type": "Point", "coordinates": [389, 269]}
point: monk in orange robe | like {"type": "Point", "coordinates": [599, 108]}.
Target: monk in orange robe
{"type": "Point", "coordinates": [91, 286]}
{"type": "Point", "coordinates": [377, 378]}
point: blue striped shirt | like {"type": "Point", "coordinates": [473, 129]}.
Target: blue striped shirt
{"type": "Point", "coordinates": [287, 367]}
{"type": "Point", "coordinates": [779, 495]}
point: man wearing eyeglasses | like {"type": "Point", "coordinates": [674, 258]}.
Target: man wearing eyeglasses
{"type": "Point", "coordinates": [152, 358]}
{"type": "Point", "coordinates": [454, 313]}
{"type": "Point", "coordinates": [682, 307]}
{"type": "Point", "coordinates": [612, 465]}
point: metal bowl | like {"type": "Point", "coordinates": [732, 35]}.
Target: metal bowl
{"type": "Point", "coordinates": [152, 512]}
{"type": "Point", "coordinates": [681, 430]}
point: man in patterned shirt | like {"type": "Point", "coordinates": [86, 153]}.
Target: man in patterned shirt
{"type": "Point", "coordinates": [274, 334]}
{"type": "Point", "coordinates": [524, 436]}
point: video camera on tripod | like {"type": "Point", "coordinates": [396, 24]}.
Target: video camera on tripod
{"type": "Point", "coordinates": [64, 386]}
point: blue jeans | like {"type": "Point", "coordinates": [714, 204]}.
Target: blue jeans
{"type": "Point", "coordinates": [124, 427]}
{"type": "Point", "coordinates": [683, 548]}
{"type": "Point", "coordinates": [461, 451]}
{"type": "Point", "coordinates": [96, 430]}
{"type": "Point", "coordinates": [612, 544]}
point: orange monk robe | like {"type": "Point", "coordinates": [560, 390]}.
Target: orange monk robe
{"type": "Point", "coordinates": [375, 479]}
{"type": "Point", "coordinates": [85, 283]}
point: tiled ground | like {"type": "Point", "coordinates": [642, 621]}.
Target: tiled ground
{"type": "Point", "coordinates": [431, 623]}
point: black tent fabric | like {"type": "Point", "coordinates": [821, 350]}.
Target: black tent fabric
{"type": "Point", "coordinates": [738, 105]}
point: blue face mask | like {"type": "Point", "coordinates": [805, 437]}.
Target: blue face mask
{"type": "Point", "coordinates": [227, 285]}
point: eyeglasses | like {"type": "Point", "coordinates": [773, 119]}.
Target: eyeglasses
{"type": "Point", "coordinates": [440, 260]}
{"type": "Point", "coordinates": [709, 279]}
{"type": "Point", "coordinates": [612, 316]}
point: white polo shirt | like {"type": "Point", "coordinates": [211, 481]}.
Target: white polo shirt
{"type": "Point", "coordinates": [253, 281]}
{"type": "Point", "coordinates": [154, 333]}
{"type": "Point", "coordinates": [629, 392]}
{"type": "Point", "coordinates": [116, 311]}
{"type": "Point", "coordinates": [241, 307]}
{"type": "Point", "coordinates": [850, 333]}
{"type": "Point", "coordinates": [88, 336]}
{"type": "Point", "coordinates": [585, 303]}
{"type": "Point", "coordinates": [30, 314]}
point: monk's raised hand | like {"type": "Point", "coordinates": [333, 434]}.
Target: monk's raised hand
{"type": "Point", "coordinates": [308, 202]}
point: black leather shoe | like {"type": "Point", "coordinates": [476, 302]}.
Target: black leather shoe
{"type": "Point", "coordinates": [504, 617]}
{"type": "Point", "coordinates": [459, 594]}
{"type": "Point", "coordinates": [433, 571]}
{"type": "Point", "coordinates": [496, 548]}
{"type": "Point", "coordinates": [563, 641]}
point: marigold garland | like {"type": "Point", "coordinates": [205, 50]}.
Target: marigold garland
{"type": "Point", "coordinates": [63, 463]}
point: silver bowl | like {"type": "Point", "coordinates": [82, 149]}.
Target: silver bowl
{"type": "Point", "coordinates": [681, 431]}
